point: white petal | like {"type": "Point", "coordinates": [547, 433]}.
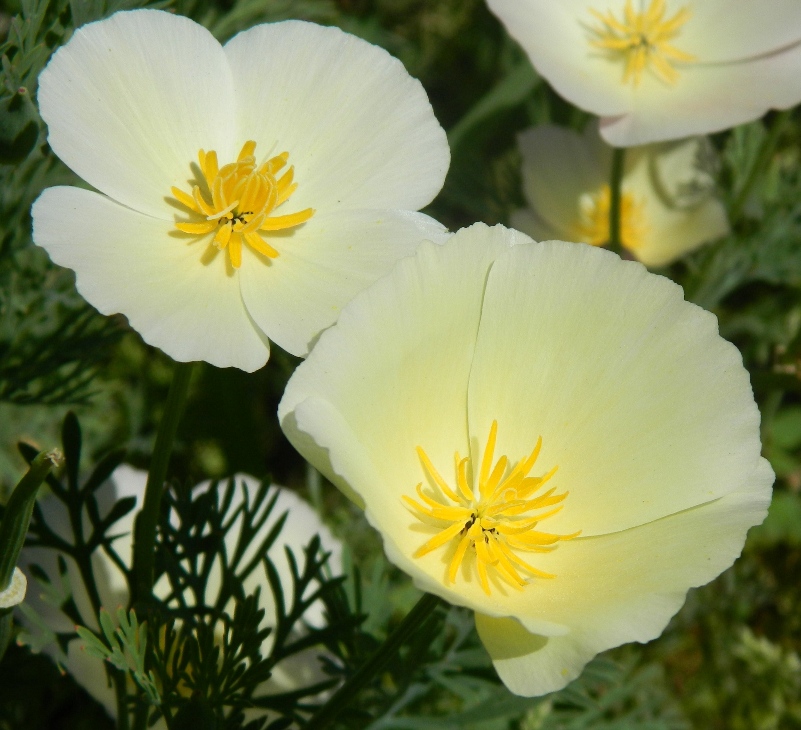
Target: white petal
{"type": "Point", "coordinates": [728, 30]}
{"type": "Point", "coordinates": [14, 593]}
{"type": "Point", "coordinates": [324, 264]}
{"type": "Point", "coordinates": [556, 38]}
{"type": "Point", "coordinates": [359, 130]}
{"type": "Point", "coordinates": [559, 165]}
{"type": "Point", "coordinates": [130, 263]}
{"type": "Point", "coordinates": [529, 664]}
{"type": "Point", "coordinates": [390, 376]}
{"type": "Point", "coordinates": [620, 588]}
{"type": "Point", "coordinates": [644, 408]}
{"type": "Point", "coordinates": [371, 364]}
{"type": "Point", "coordinates": [677, 199]}
{"type": "Point", "coordinates": [702, 100]}
{"type": "Point", "coordinates": [320, 432]}
{"type": "Point", "coordinates": [130, 100]}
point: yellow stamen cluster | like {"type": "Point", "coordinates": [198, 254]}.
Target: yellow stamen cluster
{"type": "Point", "coordinates": [238, 202]}
{"type": "Point", "coordinates": [643, 40]}
{"type": "Point", "coordinates": [593, 226]}
{"type": "Point", "coordinates": [495, 521]}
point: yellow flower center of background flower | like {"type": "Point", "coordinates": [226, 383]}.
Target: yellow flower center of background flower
{"type": "Point", "coordinates": [593, 226]}
{"type": "Point", "coordinates": [238, 202]}
{"type": "Point", "coordinates": [642, 40]}
{"type": "Point", "coordinates": [493, 522]}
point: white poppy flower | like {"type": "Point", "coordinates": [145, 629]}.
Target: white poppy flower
{"type": "Point", "coordinates": [663, 69]}
{"type": "Point", "coordinates": [41, 614]}
{"type": "Point", "coordinates": [541, 432]}
{"type": "Point", "coordinates": [246, 192]}
{"type": "Point", "coordinates": [668, 206]}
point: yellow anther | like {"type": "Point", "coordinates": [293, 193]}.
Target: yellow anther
{"type": "Point", "coordinates": [593, 226]}
{"type": "Point", "coordinates": [238, 201]}
{"type": "Point", "coordinates": [642, 40]}
{"type": "Point", "coordinates": [496, 524]}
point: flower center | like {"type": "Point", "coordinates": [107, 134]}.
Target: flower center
{"type": "Point", "coordinates": [593, 226]}
{"type": "Point", "coordinates": [238, 202]}
{"type": "Point", "coordinates": [641, 40]}
{"type": "Point", "coordinates": [493, 522]}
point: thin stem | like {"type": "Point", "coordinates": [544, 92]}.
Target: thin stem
{"type": "Point", "coordinates": [147, 520]}
{"type": "Point", "coordinates": [760, 163]}
{"type": "Point", "coordinates": [375, 664]}
{"type": "Point", "coordinates": [615, 187]}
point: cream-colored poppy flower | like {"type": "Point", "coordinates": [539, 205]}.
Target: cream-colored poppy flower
{"type": "Point", "coordinates": [663, 69]}
{"type": "Point", "coordinates": [541, 432]}
{"type": "Point", "coordinates": [41, 614]}
{"type": "Point", "coordinates": [668, 202]}
{"type": "Point", "coordinates": [245, 191]}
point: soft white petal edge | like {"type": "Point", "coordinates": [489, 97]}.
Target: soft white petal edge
{"type": "Point", "coordinates": [321, 434]}
{"type": "Point", "coordinates": [140, 266]}
{"type": "Point", "coordinates": [712, 536]}
{"type": "Point", "coordinates": [323, 265]}
{"type": "Point", "coordinates": [14, 593]}
{"type": "Point", "coordinates": [702, 102]}
{"type": "Point", "coordinates": [680, 429]}
{"type": "Point", "coordinates": [130, 100]}
{"type": "Point", "coordinates": [358, 128]}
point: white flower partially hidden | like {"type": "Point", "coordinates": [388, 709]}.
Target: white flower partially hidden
{"type": "Point", "coordinates": [663, 69]}
{"type": "Point", "coordinates": [541, 432]}
{"type": "Point", "coordinates": [42, 617]}
{"type": "Point", "coordinates": [668, 202]}
{"type": "Point", "coordinates": [14, 593]}
{"type": "Point", "coordinates": [246, 192]}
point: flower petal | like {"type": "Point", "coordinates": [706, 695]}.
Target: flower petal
{"type": "Point", "coordinates": [620, 588]}
{"type": "Point", "coordinates": [323, 265]}
{"type": "Point", "coordinates": [680, 209]}
{"type": "Point", "coordinates": [556, 38]}
{"type": "Point", "coordinates": [559, 166]}
{"type": "Point", "coordinates": [390, 376]}
{"type": "Point", "coordinates": [130, 100]}
{"type": "Point", "coordinates": [371, 363]}
{"type": "Point", "coordinates": [730, 30]}
{"type": "Point", "coordinates": [702, 100]}
{"type": "Point", "coordinates": [642, 406]}
{"type": "Point", "coordinates": [137, 265]}
{"type": "Point", "coordinates": [359, 130]}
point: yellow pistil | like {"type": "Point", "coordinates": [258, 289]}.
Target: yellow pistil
{"type": "Point", "coordinates": [238, 201]}
{"type": "Point", "coordinates": [495, 521]}
{"type": "Point", "coordinates": [642, 40]}
{"type": "Point", "coordinates": [593, 225]}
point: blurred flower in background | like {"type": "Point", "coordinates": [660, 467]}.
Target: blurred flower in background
{"type": "Point", "coordinates": [245, 192]}
{"type": "Point", "coordinates": [663, 69]}
{"type": "Point", "coordinates": [44, 621]}
{"type": "Point", "coordinates": [549, 436]}
{"type": "Point", "coordinates": [668, 206]}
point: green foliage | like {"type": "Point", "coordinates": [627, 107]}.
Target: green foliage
{"type": "Point", "coordinates": [124, 648]}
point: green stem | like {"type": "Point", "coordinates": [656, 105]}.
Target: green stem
{"type": "Point", "coordinates": [375, 664]}
{"type": "Point", "coordinates": [6, 624]}
{"type": "Point", "coordinates": [147, 520]}
{"type": "Point", "coordinates": [18, 511]}
{"type": "Point", "coordinates": [615, 187]}
{"type": "Point", "coordinates": [760, 163]}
